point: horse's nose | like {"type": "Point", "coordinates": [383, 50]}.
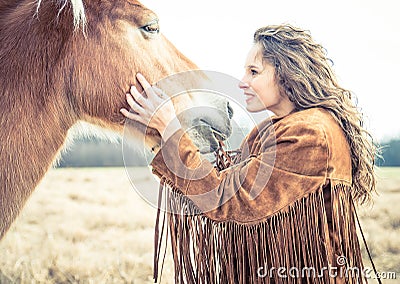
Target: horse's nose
{"type": "Point", "coordinates": [219, 121]}
{"type": "Point", "coordinates": [230, 110]}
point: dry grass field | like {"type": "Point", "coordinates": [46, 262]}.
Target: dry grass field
{"type": "Point", "coordinates": [90, 226]}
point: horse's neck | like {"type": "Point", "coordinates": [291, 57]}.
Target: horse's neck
{"type": "Point", "coordinates": [29, 145]}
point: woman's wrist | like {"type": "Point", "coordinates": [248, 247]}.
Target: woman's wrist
{"type": "Point", "coordinates": [170, 129]}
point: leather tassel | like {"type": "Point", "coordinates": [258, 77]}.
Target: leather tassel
{"type": "Point", "coordinates": [297, 237]}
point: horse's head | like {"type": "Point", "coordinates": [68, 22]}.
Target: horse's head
{"type": "Point", "coordinates": [99, 57]}
{"type": "Point", "coordinates": [62, 61]}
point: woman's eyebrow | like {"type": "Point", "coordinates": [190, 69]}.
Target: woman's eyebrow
{"type": "Point", "coordinates": [252, 66]}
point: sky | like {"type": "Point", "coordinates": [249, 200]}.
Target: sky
{"type": "Point", "coordinates": [361, 37]}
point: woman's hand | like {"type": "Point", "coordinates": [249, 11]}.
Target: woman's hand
{"type": "Point", "coordinates": [155, 111]}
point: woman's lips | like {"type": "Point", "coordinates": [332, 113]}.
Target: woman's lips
{"type": "Point", "coordinates": [249, 97]}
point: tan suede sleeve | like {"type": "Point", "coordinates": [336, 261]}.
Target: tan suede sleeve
{"type": "Point", "coordinates": [283, 169]}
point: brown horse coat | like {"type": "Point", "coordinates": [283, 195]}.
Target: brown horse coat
{"type": "Point", "coordinates": [52, 75]}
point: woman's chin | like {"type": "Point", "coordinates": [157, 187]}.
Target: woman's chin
{"type": "Point", "coordinates": [252, 108]}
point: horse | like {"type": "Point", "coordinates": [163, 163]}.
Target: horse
{"type": "Point", "coordinates": [67, 61]}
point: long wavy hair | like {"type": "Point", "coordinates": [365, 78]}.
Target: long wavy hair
{"type": "Point", "coordinates": [304, 74]}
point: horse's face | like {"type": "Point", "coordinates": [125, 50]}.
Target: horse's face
{"type": "Point", "coordinates": [122, 37]}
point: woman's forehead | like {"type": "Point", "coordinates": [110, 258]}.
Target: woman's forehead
{"type": "Point", "coordinates": [254, 57]}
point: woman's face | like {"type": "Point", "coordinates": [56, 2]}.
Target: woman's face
{"type": "Point", "coordinates": [260, 87]}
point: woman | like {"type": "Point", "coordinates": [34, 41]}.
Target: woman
{"type": "Point", "coordinates": [283, 212]}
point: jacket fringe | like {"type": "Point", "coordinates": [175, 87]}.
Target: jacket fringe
{"type": "Point", "coordinates": [298, 244]}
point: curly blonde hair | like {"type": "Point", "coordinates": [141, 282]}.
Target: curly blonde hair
{"type": "Point", "coordinates": [304, 74]}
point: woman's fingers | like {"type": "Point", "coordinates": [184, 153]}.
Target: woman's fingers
{"type": "Point", "coordinates": [137, 96]}
{"type": "Point", "coordinates": [146, 85]}
{"type": "Point", "coordinates": [146, 109]}
{"type": "Point", "coordinates": [132, 115]}
{"type": "Point", "coordinates": [135, 104]}
{"type": "Point", "coordinates": [160, 93]}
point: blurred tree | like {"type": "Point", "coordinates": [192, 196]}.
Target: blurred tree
{"type": "Point", "coordinates": [94, 152]}
{"type": "Point", "coordinates": [390, 153]}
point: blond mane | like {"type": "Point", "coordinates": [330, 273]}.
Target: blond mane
{"type": "Point", "coordinates": [78, 11]}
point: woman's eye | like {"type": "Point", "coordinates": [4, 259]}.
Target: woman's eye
{"type": "Point", "coordinates": [253, 72]}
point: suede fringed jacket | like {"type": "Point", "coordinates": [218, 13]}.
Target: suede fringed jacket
{"type": "Point", "coordinates": [282, 213]}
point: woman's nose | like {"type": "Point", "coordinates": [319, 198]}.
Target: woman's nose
{"type": "Point", "coordinates": [243, 84]}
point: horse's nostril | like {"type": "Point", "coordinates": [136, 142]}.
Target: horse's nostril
{"type": "Point", "coordinates": [230, 110]}
{"type": "Point", "coordinates": [216, 132]}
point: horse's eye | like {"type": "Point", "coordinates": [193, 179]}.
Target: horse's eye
{"type": "Point", "coordinates": [152, 28]}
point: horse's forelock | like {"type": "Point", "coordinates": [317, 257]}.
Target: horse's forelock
{"type": "Point", "coordinates": [78, 11]}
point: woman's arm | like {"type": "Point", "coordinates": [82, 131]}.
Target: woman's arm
{"type": "Point", "coordinates": [285, 170]}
